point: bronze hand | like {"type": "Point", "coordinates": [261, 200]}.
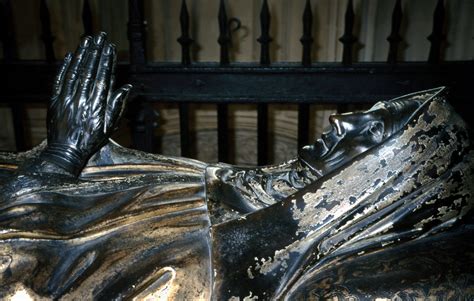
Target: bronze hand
{"type": "Point", "coordinates": [84, 110]}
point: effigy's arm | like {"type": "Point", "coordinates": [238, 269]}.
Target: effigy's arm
{"type": "Point", "coordinates": [83, 113]}
{"type": "Point", "coordinates": [84, 109]}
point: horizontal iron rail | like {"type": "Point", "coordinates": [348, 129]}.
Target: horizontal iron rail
{"type": "Point", "coordinates": [332, 83]}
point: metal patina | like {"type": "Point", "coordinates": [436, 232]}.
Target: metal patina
{"type": "Point", "coordinates": [379, 207]}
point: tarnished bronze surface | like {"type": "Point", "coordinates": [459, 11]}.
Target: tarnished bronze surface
{"type": "Point", "coordinates": [379, 207]}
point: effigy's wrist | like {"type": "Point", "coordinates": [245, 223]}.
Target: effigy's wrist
{"type": "Point", "coordinates": [65, 156]}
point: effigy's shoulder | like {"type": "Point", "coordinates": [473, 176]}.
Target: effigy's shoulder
{"type": "Point", "coordinates": [112, 159]}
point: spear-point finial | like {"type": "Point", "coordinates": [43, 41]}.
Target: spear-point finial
{"type": "Point", "coordinates": [224, 36]}
{"type": "Point", "coordinates": [348, 39]}
{"type": "Point", "coordinates": [437, 37]}
{"type": "Point", "coordinates": [184, 39]}
{"type": "Point", "coordinates": [394, 38]}
{"type": "Point", "coordinates": [265, 38]}
{"type": "Point", "coordinates": [307, 39]}
{"type": "Point", "coordinates": [46, 33]}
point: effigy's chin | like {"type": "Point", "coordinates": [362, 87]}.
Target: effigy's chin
{"type": "Point", "coordinates": [131, 229]}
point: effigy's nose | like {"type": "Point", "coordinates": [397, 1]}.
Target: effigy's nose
{"type": "Point", "coordinates": [339, 123]}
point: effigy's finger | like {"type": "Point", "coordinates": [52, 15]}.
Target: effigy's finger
{"type": "Point", "coordinates": [58, 81]}
{"type": "Point", "coordinates": [115, 108]}
{"type": "Point", "coordinates": [70, 81]}
{"type": "Point", "coordinates": [53, 111]}
{"type": "Point", "coordinates": [102, 82]}
{"type": "Point", "coordinates": [89, 71]}
{"type": "Point", "coordinates": [112, 74]}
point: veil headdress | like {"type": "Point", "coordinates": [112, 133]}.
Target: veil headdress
{"type": "Point", "coordinates": [420, 181]}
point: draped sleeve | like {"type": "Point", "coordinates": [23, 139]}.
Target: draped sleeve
{"type": "Point", "coordinates": [133, 225]}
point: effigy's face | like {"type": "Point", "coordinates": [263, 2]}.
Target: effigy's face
{"type": "Point", "coordinates": [349, 135]}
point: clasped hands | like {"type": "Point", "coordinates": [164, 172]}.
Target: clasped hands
{"type": "Point", "coordinates": [84, 109]}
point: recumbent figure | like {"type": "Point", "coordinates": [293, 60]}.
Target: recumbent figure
{"type": "Point", "coordinates": [378, 207]}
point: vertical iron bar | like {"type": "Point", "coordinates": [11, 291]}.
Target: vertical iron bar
{"type": "Point", "coordinates": [7, 32]}
{"type": "Point", "coordinates": [136, 33]}
{"type": "Point", "coordinates": [184, 39]}
{"type": "Point", "coordinates": [307, 41]}
{"type": "Point", "coordinates": [303, 125]}
{"type": "Point", "coordinates": [46, 34]}
{"type": "Point", "coordinates": [143, 121]}
{"type": "Point", "coordinates": [222, 131]}
{"type": "Point", "coordinates": [10, 54]}
{"type": "Point", "coordinates": [262, 134]}
{"type": "Point", "coordinates": [18, 114]}
{"type": "Point", "coordinates": [307, 38]}
{"type": "Point", "coordinates": [437, 37]}
{"type": "Point", "coordinates": [222, 112]}
{"type": "Point", "coordinates": [262, 108]}
{"type": "Point", "coordinates": [348, 39]}
{"type": "Point", "coordinates": [185, 42]}
{"type": "Point", "coordinates": [394, 38]}
{"type": "Point", "coordinates": [184, 130]}
{"type": "Point", "coordinates": [87, 18]}
{"type": "Point", "coordinates": [142, 116]}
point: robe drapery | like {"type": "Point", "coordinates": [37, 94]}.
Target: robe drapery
{"type": "Point", "coordinates": [134, 225]}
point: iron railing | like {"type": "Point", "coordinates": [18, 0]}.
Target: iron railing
{"type": "Point", "coordinates": [224, 82]}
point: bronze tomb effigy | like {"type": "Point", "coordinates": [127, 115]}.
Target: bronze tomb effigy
{"type": "Point", "coordinates": [378, 207]}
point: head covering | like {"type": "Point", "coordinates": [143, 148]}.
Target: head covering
{"type": "Point", "coordinates": [399, 110]}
